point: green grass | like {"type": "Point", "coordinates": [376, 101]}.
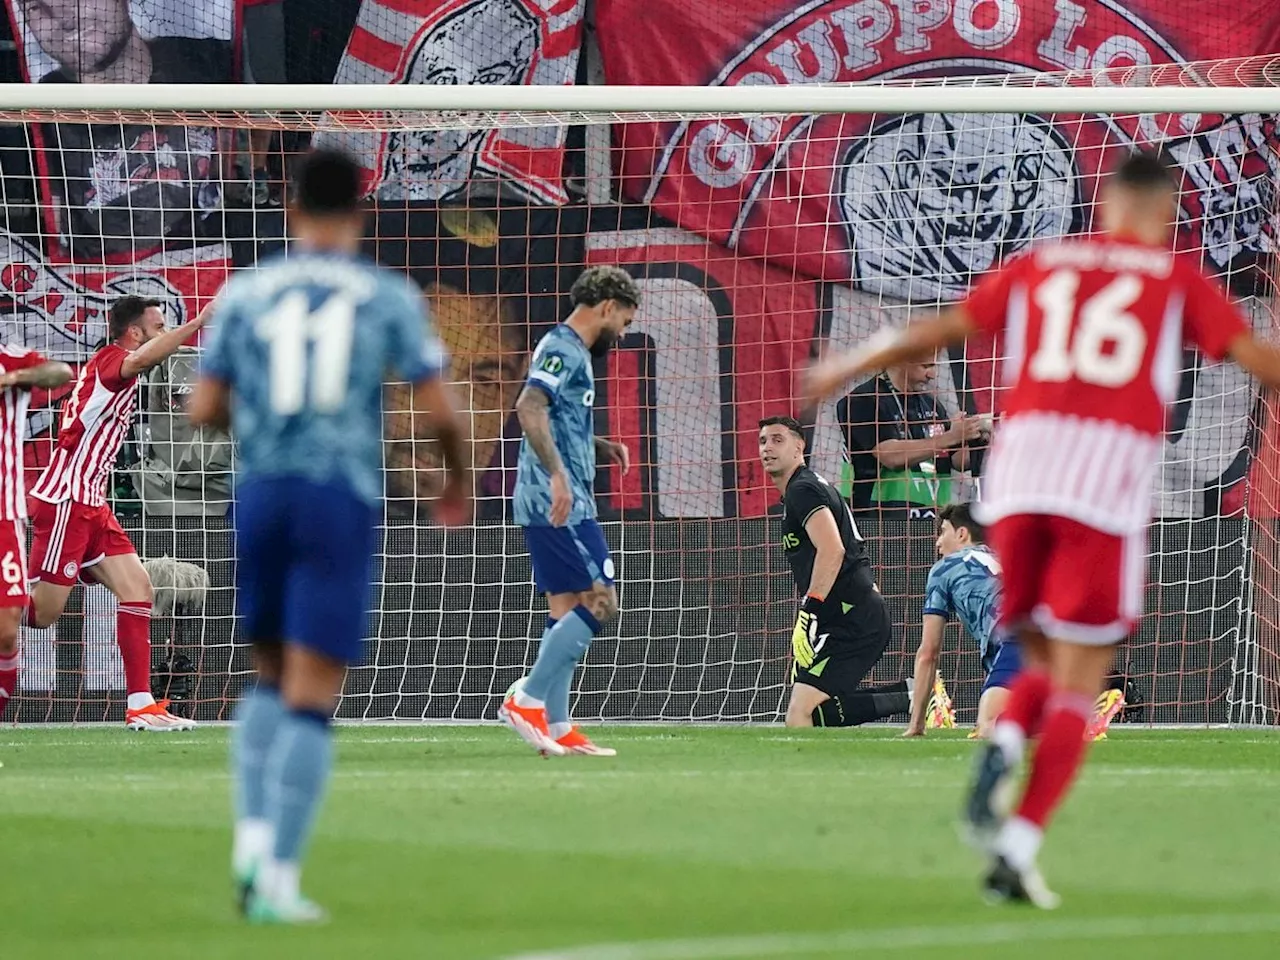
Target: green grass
{"type": "Point", "coordinates": [458, 843]}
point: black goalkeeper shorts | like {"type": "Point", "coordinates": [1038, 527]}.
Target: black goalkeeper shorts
{"type": "Point", "coordinates": [855, 641]}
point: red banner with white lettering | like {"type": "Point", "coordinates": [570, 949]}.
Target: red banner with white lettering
{"type": "Point", "coordinates": [913, 207]}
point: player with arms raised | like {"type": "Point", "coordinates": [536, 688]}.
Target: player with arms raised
{"type": "Point", "coordinates": [75, 534]}
{"type": "Point", "coordinates": [295, 366]}
{"type": "Point", "coordinates": [1094, 329]}
{"type": "Point", "coordinates": [965, 583]}
{"type": "Point", "coordinates": [555, 504]}
{"type": "Point", "coordinates": [20, 370]}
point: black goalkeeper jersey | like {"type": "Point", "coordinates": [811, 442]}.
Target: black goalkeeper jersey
{"type": "Point", "coordinates": [806, 493]}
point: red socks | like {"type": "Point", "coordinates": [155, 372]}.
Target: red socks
{"type": "Point", "coordinates": [133, 634]}
{"type": "Point", "coordinates": [9, 676]}
{"type": "Point", "coordinates": [1057, 757]}
{"type": "Point", "coordinates": [1027, 698]}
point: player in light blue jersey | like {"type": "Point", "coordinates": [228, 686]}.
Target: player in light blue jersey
{"type": "Point", "coordinates": [295, 367]}
{"type": "Point", "coordinates": [555, 504]}
{"type": "Point", "coordinates": [965, 583]}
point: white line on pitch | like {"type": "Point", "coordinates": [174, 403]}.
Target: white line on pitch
{"type": "Point", "coordinates": [914, 938]}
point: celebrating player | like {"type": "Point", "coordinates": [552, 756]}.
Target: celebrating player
{"type": "Point", "coordinates": [964, 583]}
{"type": "Point", "coordinates": [75, 534]}
{"type": "Point", "coordinates": [20, 370]}
{"type": "Point", "coordinates": [295, 366]}
{"type": "Point", "coordinates": [842, 628]}
{"type": "Point", "coordinates": [555, 504]}
{"type": "Point", "coordinates": [1095, 328]}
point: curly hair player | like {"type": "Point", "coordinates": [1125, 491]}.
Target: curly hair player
{"type": "Point", "coordinates": [1095, 328]}
{"type": "Point", "coordinates": [555, 505]}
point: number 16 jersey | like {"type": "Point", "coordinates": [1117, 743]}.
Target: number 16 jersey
{"type": "Point", "coordinates": [305, 344]}
{"type": "Point", "coordinates": [1093, 336]}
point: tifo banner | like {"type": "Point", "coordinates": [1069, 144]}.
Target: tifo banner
{"type": "Point", "coordinates": [60, 309]}
{"type": "Point", "coordinates": [716, 345]}
{"type": "Point", "coordinates": [514, 42]}
{"type": "Point", "coordinates": [914, 207]}
{"type": "Point", "coordinates": [116, 193]}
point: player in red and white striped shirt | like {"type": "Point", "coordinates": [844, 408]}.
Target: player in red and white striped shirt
{"type": "Point", "coordinates": [1093, 331]}
{"type": "Point", "coordinates": [75, 533]}
{"type": "Point", "coordinates": [20, 370]}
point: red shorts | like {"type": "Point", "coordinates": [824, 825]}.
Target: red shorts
{"type": "Point", "coordinates": [1069, 580]}
{"type": "Point", "coordinates": [13, 563]}
{"type": "Point", "coordinates": [69, 536]}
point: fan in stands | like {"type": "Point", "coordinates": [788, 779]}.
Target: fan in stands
{"type": "Point", "coordinates": [75, 533]}
{"type": "Point", "coordinates": [20, 370]}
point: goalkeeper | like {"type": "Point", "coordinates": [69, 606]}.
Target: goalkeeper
{"type": "Point", "coordinates": [842, 628]}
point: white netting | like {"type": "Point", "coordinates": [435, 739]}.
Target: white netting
{"type": "Point", "coordinates": [757, 239]}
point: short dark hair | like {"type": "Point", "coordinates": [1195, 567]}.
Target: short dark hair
{"type": "Point", "coordinates": [595, 285]}
{"type": "Point", "coordinates": [327, 184]}
{"type": "Point", "coordinates": [127, 311]}
{"type": "Point", "coordinates": [960, 516]}
{"type": "Point", "coordinates": [1144, 170]}
{"type": "Point", "coordinates": [791, 423]}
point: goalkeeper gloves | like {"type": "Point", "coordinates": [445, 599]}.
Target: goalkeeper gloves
{"type": "Point", "coordinates": [805, 642]}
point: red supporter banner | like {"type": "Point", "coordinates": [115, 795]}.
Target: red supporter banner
{"type": "Point", "coordinates": [516, 42]}
{"type": "Point", "coordinates": [60, 310]}
{"type": "Point", "coordinates": [717, 343]}
{"type": "Point", "coordinates": [914, 207]}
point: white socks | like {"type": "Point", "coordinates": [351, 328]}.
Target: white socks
{"type": "Point", "coordinates": [251, 844]}
{"type": "Point", "coordinates": [1011, 740]}
{"type": "Point", "coordinates": [528, 702]}
{"type": "Point", "coordinates": [559, 730]}
{"type": "Point", "coordinates": [1019, 842]}
{"type": "Point", "coordinates": [139, 700]}
{"type": "Point", "coordinates": [278, 881]}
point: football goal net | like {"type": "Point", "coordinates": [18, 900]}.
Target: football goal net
{"type": "Point", "coordinates": [764, 225]}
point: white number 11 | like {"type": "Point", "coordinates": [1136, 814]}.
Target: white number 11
{"type": "Point", "coordinates": [287, 331]}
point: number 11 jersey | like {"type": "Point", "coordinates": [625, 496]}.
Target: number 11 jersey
{"type": "Point", "coordinates": [1093, 335]}
{"type": "Point", "coordinates": [305, 342]}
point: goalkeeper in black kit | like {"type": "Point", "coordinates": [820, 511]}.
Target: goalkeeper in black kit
{"type": "Point", "coordinates": [842, 628]}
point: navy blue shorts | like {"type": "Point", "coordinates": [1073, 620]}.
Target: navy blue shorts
{"type": "Point", "coordinates": [569, 559]}
{"type": "Point", "coordinates": [1005, 666]}
{"type": "Point", "coordinates": [304, 559]}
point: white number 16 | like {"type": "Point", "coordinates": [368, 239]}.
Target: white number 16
{"type": "Point", "coordinates": [1102, 320]}
{"type": "Point", "coordinates": [288, 330]}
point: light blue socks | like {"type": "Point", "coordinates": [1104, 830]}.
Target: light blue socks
{"type": "Point", "coordinates": [563, 645]}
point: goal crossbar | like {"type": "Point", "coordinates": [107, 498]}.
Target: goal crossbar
{"type": "Point", "coordinates": [21, 100]}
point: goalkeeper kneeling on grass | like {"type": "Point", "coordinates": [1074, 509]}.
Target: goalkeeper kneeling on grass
{"type": "Point", "coordinates": [842, 628]}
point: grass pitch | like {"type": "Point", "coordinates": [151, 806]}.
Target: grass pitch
{"type": "Point", "coordinates": [696, 843]}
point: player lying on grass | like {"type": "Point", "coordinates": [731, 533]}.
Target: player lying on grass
{"type": "Point", "coordinates": [965, 583]}
{"type": "Point", "coordinates": [20, 370]}
{"type": "Point", "coordinates": [843, 627]}
{"type": "Point", "coordinates": [295, 367]}
{"type": "Point", "coordinates": [75, 535]}
{"type": "Point", "coordinates": [556, 507]}
{"type": "Point", "coordinates": [1095, 328]}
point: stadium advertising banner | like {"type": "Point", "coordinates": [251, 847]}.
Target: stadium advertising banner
{"type": "Point", "coordinates": [914, 207]}
{"type": "Point", "coordinates": [513, 42]}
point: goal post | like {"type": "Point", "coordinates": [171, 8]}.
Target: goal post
{"type": "Point", "coordinates": [764, 224]}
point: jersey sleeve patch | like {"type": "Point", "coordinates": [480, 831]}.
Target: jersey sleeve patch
{"type": "Point", "coordinates": [549, 371]}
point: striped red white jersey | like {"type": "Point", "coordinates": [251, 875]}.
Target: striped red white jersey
{"type": "Point", "coordinates": [1093, 335]}
{"type": "Point", "coordinates": [96, 418]}
{"type": "Point", "coordinates": [13, 432]}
